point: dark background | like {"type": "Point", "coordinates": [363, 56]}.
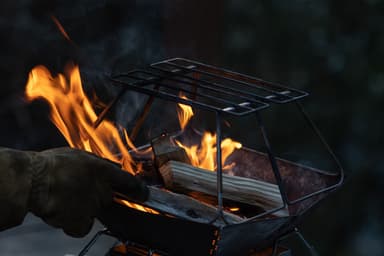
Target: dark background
{"type": "Point", "coordinates": [332, 49]}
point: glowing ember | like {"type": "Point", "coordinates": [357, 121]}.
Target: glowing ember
{"type": "Point", "coordinates": [73, 115]}
{"type": "Point", "coordinates": [60, 27]}
{"type": "Point", "coordinates": [204, 155]}
{"type": "Point", "coordinates": [136, 206]}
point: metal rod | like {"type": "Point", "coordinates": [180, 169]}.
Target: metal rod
{"type": "Point", "coordinates": [330, 151]}
{"type": "Point", "coordinates": [266, 213]}
{"type": "Point", "coordinates": [289, 234]}
{"type": "Point", "coordinates": [108, 108]}
{"type": "Point", "coordinates": [111, 104]}
{"type": "Point", "coordinates": [93, 241]}
{"type": "Point", "coordinates": [219, 169]}
{"type": "Point", "coordinates": [320, 135]}
{"type": "Point", "coordinates": [196, 77]}
{"type": "Point", "coordinates": [140, 120]}
{"type": "Point", "coordinates": [310, 248]}
{"type": "Point", "coordinates": [274, 248]}
{"type": "Point", "coordinates": [272, 159]}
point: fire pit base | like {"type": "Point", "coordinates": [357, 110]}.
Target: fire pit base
{"type": "Point", "coordinates": [175, 236]}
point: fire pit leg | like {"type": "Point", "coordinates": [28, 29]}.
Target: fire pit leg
{"type": "Point", "coordinates": [311, 249]}
{"type": "Point", "coordinates": [296, 232]}
{"type": "Point", "coordinates": [94, 240]}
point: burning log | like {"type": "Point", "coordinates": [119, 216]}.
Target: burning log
{"type": "Point", "coordinates": [165, 150]}
{"type": "Point", "coordinates": [183, 177]}
{"type": "Point", "coordinates": [179, 176]}
{"type": "Point", "coordinates": [185, 207]}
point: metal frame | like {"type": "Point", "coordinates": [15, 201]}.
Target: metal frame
{"type": "Point", "coordinates": [192, 76]}
{"type": "Point", "coordinates": [94, 239]}
{"type": "Point", "coordinates": [224, 93]}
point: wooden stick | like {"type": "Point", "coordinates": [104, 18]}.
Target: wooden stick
{"type": "Point", "coordinates": [184, 177]}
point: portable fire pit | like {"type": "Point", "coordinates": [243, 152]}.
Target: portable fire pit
{"type": "Point", "coordinates": [196, 212]}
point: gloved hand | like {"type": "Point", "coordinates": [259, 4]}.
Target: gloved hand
{"type": "Point", "coordinates": [65, 187]}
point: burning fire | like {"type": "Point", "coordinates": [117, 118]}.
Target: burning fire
{"type": "Point", "coordinates": [184, 112]}
{"type": "Point", "coordinates": [204, 155]}
{"type": "Point", "coordinates": [73, 114]}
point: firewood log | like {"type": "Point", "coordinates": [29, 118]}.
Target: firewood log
{"type": "Point", "coordinates": [183, 177]}
{"type": "Point", "coordinates": [185, 207]}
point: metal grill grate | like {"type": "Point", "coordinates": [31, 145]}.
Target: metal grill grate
{"type": "Point", "coordinates": [207, 87]}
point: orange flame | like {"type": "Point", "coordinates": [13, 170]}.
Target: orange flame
{"type": "Point", "coordinates": [136, 206]}
{"type": "Point", "coordinates": [73, 115]}
{"type": "Point", "coordinates": [184, 113]}
{"type": "Point", "coordinates": [204, 155]}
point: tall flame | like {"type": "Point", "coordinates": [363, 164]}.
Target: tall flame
{"type": "Point", "coordinates": [204, 155]}
{"type": "Point", "coordinates": [74, 116]}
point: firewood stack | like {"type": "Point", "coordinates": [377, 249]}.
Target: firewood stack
{"type": "Point", "coordinates": [189, 192]}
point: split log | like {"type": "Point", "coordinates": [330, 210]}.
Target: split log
{"type": "Point", "coordinates": [165, 150]}
{"type": "Point", "coordinates": [185, 207]}
{"type": "Point", "coordinates": [183, 177]}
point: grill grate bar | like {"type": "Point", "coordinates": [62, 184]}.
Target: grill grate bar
{"type": "Point", "coordinates": [206, 87]}
{"type": "Point", "coordinates": [176, 98]}
{"type": "Point", "coordinates": [170, 88]}
{"type": "Point", "coordinates": [216, 86]}
{"type": "Point", "coordinates": [263, 90]}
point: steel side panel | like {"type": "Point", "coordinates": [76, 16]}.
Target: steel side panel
{"type": "Point", "coordinates": [171, 235]}
{"type": "Point", "coordinates": [238, 239]}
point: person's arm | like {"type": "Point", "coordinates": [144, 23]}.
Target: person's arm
{"type": "Point", "coordinates": [65, 187]}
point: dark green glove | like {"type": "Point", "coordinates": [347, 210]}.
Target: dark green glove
{"type": "Point", "coordinates": [65, 187]}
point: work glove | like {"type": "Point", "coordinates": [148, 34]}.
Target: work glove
{"type": "Point", "coordinates": [65, 187]}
